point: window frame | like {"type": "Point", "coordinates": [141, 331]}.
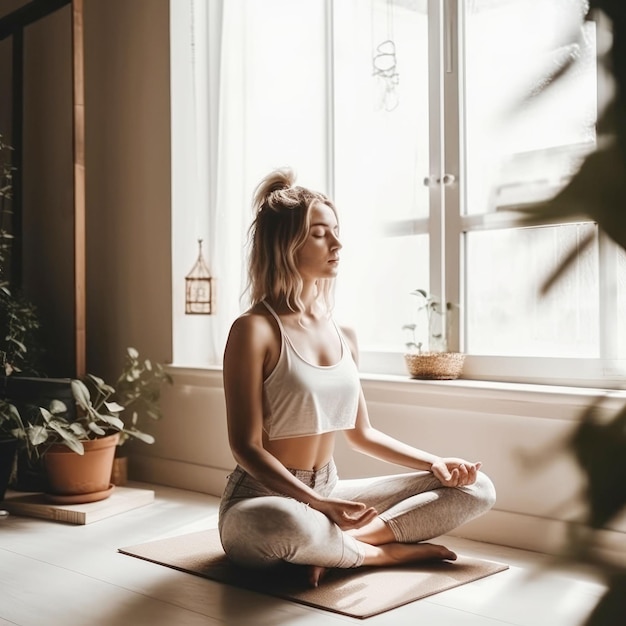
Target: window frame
{"type": "Point", "coordinates": [448, 224]}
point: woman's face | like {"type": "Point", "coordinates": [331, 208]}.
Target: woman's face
{"type": "Point", "coordinates": [319, 256]}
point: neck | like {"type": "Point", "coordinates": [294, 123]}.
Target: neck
{"type": "Point", "coordinates": [309, 297]}
{"type": "Point", "coordinates": [312, 307]}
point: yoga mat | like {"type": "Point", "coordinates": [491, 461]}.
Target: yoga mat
{"type": "Point", "coordinates": [361, 592]}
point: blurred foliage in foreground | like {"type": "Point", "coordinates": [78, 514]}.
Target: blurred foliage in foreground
{"type": "Point", "coordinates": [598, 192]}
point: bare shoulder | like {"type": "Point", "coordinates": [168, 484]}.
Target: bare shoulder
{"type": "Point", "coordinates": [253, 326]}
{"type": "Point", "coordinates": [351, 339]}
{"type": "Point", "coordinates": [254, 340]}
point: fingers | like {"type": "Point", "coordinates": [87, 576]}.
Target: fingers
{"type": "Point", "coordinates": [467, 474]}
{"type": "Point", "coordinates": [444, 474]}
{"type": "Point", "coordinates": [357, 520]}
{"type": "Point", "coordinates": [458, 473]}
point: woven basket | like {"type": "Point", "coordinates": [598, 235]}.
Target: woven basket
{"type": "Point", "coordinates": [435, 365]}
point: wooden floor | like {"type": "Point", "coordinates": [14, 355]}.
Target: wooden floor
{"type": "Point", "coordinates": [58, 574]}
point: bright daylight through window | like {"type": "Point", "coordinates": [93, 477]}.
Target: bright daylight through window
{"type": "Point", "coordinates": [428, 122]}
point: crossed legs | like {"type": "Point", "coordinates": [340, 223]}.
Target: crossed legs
{"type": "Point", "coordinates": [413, 508]}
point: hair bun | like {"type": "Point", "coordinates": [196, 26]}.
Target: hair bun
{"type": "Point", "coordinates": [278, 180]}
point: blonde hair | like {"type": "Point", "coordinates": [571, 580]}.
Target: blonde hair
{"type": "Point", "coordinates": [278, 231]}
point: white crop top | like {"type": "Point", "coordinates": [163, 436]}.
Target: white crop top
{"type": "Point", "coordinates": [304, 399]}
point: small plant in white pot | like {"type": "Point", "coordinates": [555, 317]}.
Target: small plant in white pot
{"type": "Point", "coordinates": [436, 362]}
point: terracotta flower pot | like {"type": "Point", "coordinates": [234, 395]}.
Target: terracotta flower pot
{"type": "Point", "coordinates": [119, 475]}
{"type": "Point", "coordinates": [81, 478]}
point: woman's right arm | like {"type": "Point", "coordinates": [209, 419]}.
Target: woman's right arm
{"type": "Point", "coordinates": [248, 347]}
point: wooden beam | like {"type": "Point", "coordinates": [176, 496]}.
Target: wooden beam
{"type": "Point", "coordinates": [80, 257]}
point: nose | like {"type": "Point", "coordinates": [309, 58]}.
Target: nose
{"type": "Point", "coordinates": [335, 244]}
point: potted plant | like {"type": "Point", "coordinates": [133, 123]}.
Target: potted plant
{"type": "Point", "coordinates": [436, 362]}
{"type": "Point", "coordinates": [20, 346]}
{"type": "Point", "coordinates": [138, 390]}
{"type": "Point", "coordinates": [12, 432]}
{"type": "Point", "coordinates": [78, 451]}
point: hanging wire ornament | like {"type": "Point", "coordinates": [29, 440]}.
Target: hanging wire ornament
{"type": "Point", "coordinates": [199, 288]}
{"type": "Point", "coordinates": [385, 63]}
{"type": "Point", "coordinates": [385, 68]}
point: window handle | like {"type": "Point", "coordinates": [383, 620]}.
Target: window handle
{"type": "Point", "coordinates": [446, 179]}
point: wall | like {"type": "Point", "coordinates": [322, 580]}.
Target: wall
{"type": "Point", "coordinates": [127, 108]}
{"type": "Point", "coordinates": [518, 432]}
{"type": "Point", "coordinates": [127, 133]}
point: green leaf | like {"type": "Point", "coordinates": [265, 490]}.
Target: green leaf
{"type": "Point", "coordinates": [14, 412]}
{"type": "Point", "coordinates": [81, 394]}
{"type": "Point", "coordinates": [57, 407]}
{"type": "Point", "coordinates": [37, 434]}
{"type": "Point", "coordinates": [596, 192]}
{"type": "Point", "coordinates": [96, 379]}
{"type": "Point", "coordinates": [19, 344]}
{"type": "Point", "coordinates": [114, 407]}
{"type": "Point", "coordinates": [116, 422]}
{"type": "Point", "coordinates": [611, 608]}
{"type": "Point", "coordinates": [599, 447]}
{"type": "Point", "coordinates": [75, 445]}
{"type": "Point", "coordinates": [102, 387]}
{"type": "Point", "coordinates": [96, 429]}
{"type": "Point", "coordinates": [47, 416]}
{"type": "Point", "coordinates": [141, 436]}
{"type": "Point", "coordinates": [68, 438]}
{"type": "Point", "coordinates": [79, 430]}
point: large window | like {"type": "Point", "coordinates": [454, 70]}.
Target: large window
{"type": "Point", "coordinates": [522, 144]}
{"type": "Point", "coordinates": [428, 122]}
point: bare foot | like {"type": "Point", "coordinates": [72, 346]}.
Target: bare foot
{"type": "Point", "coordinates": [315, 574]}
{"type": "Point", "coordinates": [391, 554]}
{"type": "Point", "coordinates": [394, 553]}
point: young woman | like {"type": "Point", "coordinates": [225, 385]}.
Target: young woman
{"type": "Point", "coordinates": [291, 383]}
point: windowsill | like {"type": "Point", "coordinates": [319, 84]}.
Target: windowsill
{"type": "Point", "coordinates": [403, 389]}
{"type": "Point", "coordinates": [500, 386]}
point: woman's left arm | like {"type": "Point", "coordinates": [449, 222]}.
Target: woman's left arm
{"type": "Point", "coordinates": [364, 438]}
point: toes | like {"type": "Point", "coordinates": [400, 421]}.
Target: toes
{"type": "Point", "coordinates": [444, 554]}
{"type": "Point", "coordinates": [315, 575]}
{"type": "Point", "coordinates": [449, 555]}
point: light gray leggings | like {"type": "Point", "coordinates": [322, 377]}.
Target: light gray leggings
{"type": "Point", "coordinates": [260, 528]}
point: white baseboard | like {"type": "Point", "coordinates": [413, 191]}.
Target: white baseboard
{"type": "Point", "coordinates": [516, 530]}
{"type": "Point", "coordinates": [159, 471]}
{"type": "Point", "coordinates": [526, 532]}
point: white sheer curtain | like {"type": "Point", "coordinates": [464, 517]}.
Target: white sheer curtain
{"type": "Point", "coordinates": [249, 93]}
{"type": "Point", "coordinates": [207, 152]}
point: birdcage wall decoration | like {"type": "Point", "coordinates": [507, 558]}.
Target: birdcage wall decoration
{"type": "Point", "coordinates": [200, 287]}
